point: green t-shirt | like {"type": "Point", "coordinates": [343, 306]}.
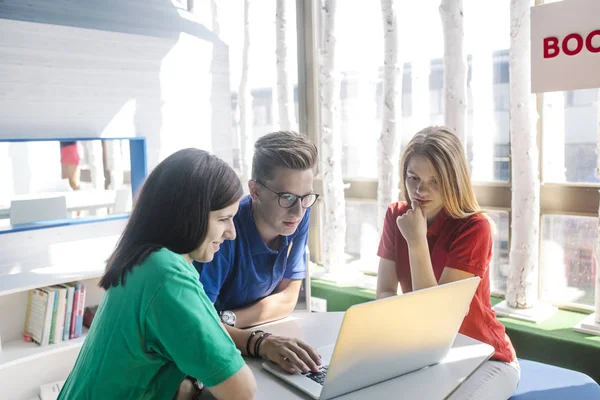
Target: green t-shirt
{"type": "Point", "coordinates": [150, 333]}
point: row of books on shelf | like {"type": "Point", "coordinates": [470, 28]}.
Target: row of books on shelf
{"type": "Point", "coordinates": [55, 313]}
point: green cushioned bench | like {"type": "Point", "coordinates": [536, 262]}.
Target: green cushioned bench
{"type": "Point", "coordinates": [552, 341]}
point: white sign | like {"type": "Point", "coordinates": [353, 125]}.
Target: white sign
{"type": "Point", "coordinates": [565, 46]}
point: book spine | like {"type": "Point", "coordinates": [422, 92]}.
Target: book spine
{"type": "Point", "coordinates": [37, 316]}
{"type": "Point", "coordinates": [54, 310]}
{"type": "Point", "coordinates": [80, 310]}
{"type": "Point", "coordinates": [69, 313]}
{"type": "Point", "coordinates": [47, 318]}
{"type": "Point", "coordinates": [60, 314]}
{"type": "Point", "coordinates": [74, 312]}
{"type": "Point", "coordinates": [28, 315]}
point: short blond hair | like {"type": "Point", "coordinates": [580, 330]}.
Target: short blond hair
{"type": "Point", "coordinates": [283, 149]}
{"type": "Point", "coordinates": [441, 146]}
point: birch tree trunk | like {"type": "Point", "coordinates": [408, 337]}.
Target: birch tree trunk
{"type": "Point", "coordinates": [482, 85]}
{"type": "Point", "coordinates": [245, 103]}
{"type": "Point", "coordinates": [522, 285]}
{"type": "Point", "coordinates": [285, 93]}
{"type": "Point", "coordinates": [455, 68]}
{"type": "Point", "coordinates": [388, 176]}
{"type": "Point", "coordinates": [334, 226]}
{"type": "Point", "coordinates": [597, 258]}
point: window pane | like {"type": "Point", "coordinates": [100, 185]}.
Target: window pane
{"type": "Point", "coordinates": [359, 57]}
{"type": "Point", "coordinates": [499, 265]}
{"type": "Point", "coordinates": [362, 241]}
{"type": "Point", "coordinates": [488, 141]}
{"type": "Point", "coordinates": [362, 238]}
{"type": "Point", "coordinates": [569, 136]}
{"type": "Point", "coordinates": [359, 64]}
{"type": "Point", "coordinates": [487, 33]}
{"type": "Point", "coordinates": [567, 266]}
{"type": "Point", "coordinates": [262, 73]}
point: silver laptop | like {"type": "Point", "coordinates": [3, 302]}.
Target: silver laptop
{"type": "Point", "coordinates": [386, 338]}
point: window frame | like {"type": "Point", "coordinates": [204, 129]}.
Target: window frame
{"type": "Point", "coordinates": [573, 199]}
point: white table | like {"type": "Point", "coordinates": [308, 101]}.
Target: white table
{"type": "Point", "coordinates": [321, 329]}
{"type": "Point", "coordinates": [77, 200]}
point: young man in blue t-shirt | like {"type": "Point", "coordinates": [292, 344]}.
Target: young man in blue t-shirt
{"type": "Point", "coordinates": [257, 277]}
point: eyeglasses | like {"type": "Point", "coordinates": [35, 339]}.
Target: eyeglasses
{"type": "Point", "coordinates": [289, 200]}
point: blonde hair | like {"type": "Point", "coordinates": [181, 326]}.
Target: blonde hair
{"type": "Point", "coordinates": [284, 149]}
{"type": "Point", "coordinates": [443, 149]}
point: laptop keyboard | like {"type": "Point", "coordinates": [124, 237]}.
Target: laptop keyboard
{"type": "Point", "coordinates": [318, 377]}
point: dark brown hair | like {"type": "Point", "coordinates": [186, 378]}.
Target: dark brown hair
{"type": "Point", "coordinates": [172, 210]}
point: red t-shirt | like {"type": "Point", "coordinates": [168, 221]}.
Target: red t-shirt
{"type": "Point", "coordinates": [462, 244]}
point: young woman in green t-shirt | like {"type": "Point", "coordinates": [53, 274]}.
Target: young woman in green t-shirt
{"type": "Point", "coordinates": [155, 325]}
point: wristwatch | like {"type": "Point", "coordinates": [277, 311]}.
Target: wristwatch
{"type": "Point", "coordinates": [227, 317]}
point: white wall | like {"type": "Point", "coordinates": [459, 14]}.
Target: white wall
{"type": "Point", "coordinates": [111, 68]}
{"type": "Point", "coordinates": [107, 69]}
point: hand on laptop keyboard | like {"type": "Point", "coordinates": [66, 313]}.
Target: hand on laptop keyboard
{"type": "Point", "coordinates": [290, 354]}
{"type": "Point", "coordinates": [318, 377]}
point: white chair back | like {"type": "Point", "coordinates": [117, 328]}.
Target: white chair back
{"type": "Point", "coordinates": [35, 210]}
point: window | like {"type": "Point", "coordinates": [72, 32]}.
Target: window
{"type": "Point", "coordinates": [567, 266]}
{"type": "Point", "coordinates": [499, 265]}
{"type": "Point", "coordinates": [581, 98]}
{"type": "Point", "coordinates": [262, 73]}
{"type": "Point", "coordinates": [362, 237]}
{"type": "Point", "coordinates": [569, 137]}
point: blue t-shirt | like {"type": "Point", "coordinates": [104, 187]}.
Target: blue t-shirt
{"type": "Point", "coordinates": [245, 269]}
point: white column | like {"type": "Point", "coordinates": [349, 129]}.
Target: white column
{"type": "Point", "coordinates": [523, 273]}
{"type": "Point", "coordinates": [455, 67]}
{"type": "Point", "coordinates": [522, 288]}
{"type": "Point", "coordinates": [334, 224]}
{"type": "Point", "coordinates": [388, 171]}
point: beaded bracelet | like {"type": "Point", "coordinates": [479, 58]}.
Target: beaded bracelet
{"type": "Point", "coordinates": [250, 339]}
{"type": "Point", "coordinates": [258, 342]}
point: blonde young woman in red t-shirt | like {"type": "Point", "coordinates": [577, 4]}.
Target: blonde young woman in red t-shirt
{"type": "Point", "coordinates": [440, 235]}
